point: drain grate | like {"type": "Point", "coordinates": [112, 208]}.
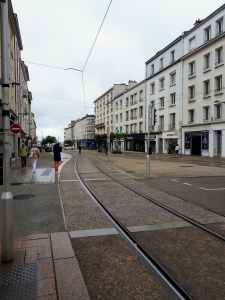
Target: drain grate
{"type": "Point", "coordinates": [47, 172]}
{"type": "Point", "coordinates": [23, 197]}
{"type": "Point", "coordinates": [18, 282]}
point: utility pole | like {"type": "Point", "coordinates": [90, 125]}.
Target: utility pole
{"type": "Point", "coordinates": [108, 142]}
{"type": "Point", "coordinates": [148, 156]}
{"type": "Point", "coordinates": [7, 199]}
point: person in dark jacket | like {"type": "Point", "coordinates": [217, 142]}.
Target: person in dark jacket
{"type": "Point", "coordinates": [57, 149]}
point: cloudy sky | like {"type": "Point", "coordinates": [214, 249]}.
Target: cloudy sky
{"type": "Point", "coordinates": [61, 33]}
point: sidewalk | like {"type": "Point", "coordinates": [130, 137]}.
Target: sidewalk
{"type": "Point", "coordinates": [44, 265]}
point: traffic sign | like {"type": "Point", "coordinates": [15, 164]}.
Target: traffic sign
{"type": "Point", "coordinates": [15, 128]}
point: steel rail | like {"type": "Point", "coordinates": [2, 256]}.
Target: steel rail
{"type": "Point", "coordinates": [171, 210]}
{"type": "Point", "coordinates": [170, 284]}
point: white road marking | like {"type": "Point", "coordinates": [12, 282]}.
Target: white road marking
{"type": "Point", "coordinates": [174, 180]}
{"type": "Point", "coordinates": [219, 189]}
{"type": "Point", "coordinates": [69, 180]}
{"type": "Point", "coordinates": [187, 183]}
{"type": "Point", "coordinates": [96, 179]}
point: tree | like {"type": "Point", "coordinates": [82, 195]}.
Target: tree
{"type": "Point", "coordinates": [49, 140]}
{"type": "Point", "coordinates": [68, 143]}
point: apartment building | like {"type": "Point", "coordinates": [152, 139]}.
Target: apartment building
{"type": "Point", "coordinates": [130, 118]}
{"type": "Point", "coordinates": [203, 127]}
{"type": "Point", "coordinates": [104, 108]}
{"type": "Point", "coordinates": [84, 131]}
{"type": "Point", "coordinates": [164, 93]}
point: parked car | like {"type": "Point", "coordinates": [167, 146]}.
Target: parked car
{"type": "Point", "coordinates": [68, 148]}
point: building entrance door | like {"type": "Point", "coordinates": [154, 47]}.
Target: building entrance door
{"type": "Point", "coordinates": [160, 146]}
{"type": "Point", "coordinates": [196, 145]}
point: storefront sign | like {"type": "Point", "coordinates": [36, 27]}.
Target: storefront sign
{"type": "Point", "coordinates": [187, 143]}
{"type": "Point", "coordinates": [151, 137]}
{"type": "Point", "coordinates": [205, 143]}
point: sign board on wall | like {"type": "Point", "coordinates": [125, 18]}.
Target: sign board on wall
{"type": "Point", "coordinates": [205, 143]}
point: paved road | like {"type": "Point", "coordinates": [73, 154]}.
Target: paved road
{"type": "Point", "coordinates": [207, 192]}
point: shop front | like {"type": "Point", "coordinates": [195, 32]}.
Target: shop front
{"type": "Point", "coordinates": [170, 140]}
{"type": "Point", "coordinates": [135, 142]}
{"type": "Point", "coordinates": [196, 143]}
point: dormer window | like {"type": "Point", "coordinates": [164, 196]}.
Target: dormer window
{"type": "Point", "coordinates": [219, 26]}
{"type": "Point", "coordinates": [192, 43]}
{"type": "Point", "coordinates": [207, 34]}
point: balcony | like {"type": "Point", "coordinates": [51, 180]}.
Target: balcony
{"type": "Point", "coordinates": [141, 99]}
{"type": "Point", "coordinates": [127, 119]}
{"type": "Point", "coordinates": [100, 125]}
{"type": "Point", "coordinates": [171, 126]}
{"type": "Point", "coordinates": [206, 94]}
{"type": "Point", "coordinates": [135, 117]}
{"type": "Point", "coordinates": [140, 116]}
{"type": "Point", "coordinates": [161, 127]}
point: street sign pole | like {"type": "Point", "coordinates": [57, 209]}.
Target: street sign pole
{"type": "Point", "coordinates": [148, 156]}
{"type": "Point", "coordinates": [108, 142]}
{"type": "Point", "coordinates": [7, 199]}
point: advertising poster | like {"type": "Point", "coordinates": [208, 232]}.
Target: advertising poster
{"type": "Point", "coordinates": [205, 143]}
{"type": "Point", "coordinates": [187, 143]}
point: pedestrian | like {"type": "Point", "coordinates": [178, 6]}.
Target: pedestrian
{"type": "Point", "coordinates": [80, 149]}
{"type": "Point", "coordinates": [23, 155]}
{"type": "Point", "coordinates": [106, 150]}
{"type": "Point", "coordinates": [177, 149]}
{"type": "Point", "coordinates": [34, 156]}
{"type": "Point", "coordinates": [57, 149]}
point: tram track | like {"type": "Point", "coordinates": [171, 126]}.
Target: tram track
{"type": "Point", "coordinates": [171, 285]}
{"type": "Point", "coordinates": [136, 239]}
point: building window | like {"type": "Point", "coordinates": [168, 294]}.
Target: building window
{"type": "Point", "coordinates": [205, 113]}
{"type": "Point", "coordinates": [141, 96]}
{"type": "Point", "coordinates": [116, 105]}
{"type": "Point", "coordinates": [219, 26]}
{"type": "Point", "coordinates": [121, 103]}
{"type": "Point", "coordinates": [218, 84]}
{"type": "Point", "coordinates": [140, 127]}
{"type": "Point", "coordinates": [172, 122]}
{"type": "Point", "coordinates": [206, 87]}
{"type": "Point", "coordinates": [161, 64]}
{"type": "Point", "coordinates": [140, 111]}
{"type": "Point", "coordinates": [219, 56]}
{"type": "Point", "coordinates": [172, 99]}
{"type": "Point", "coordinates": [161, 84]}
{"type": "Point", "coordinates": [191, 92]}
{"type": "Point", "coordinates": [192, 44]}
{"type": "Point", "coordinates": [173, 78]}
{"type": "Point", "coordinates": [172, 56]}
{"type": "Point", "coordinates": [121, 117]}
{"type": "Point", "coordinates": [191, 69]}
{"type": "Point", "coordinates": [161, 102]}
{"type": "Point", "coordinates": [152, 69]}
{"type": "Point", "coordinates": [127, 102]}
{"type": "Point", "coordinates": [116, 118]}
{"type": "Point", "coordinates": [161, 123]}
{"type": "Point", "coordinates": [206, 61]}
{"type": "Point", "coordinates": [218, 114]}
{"type": "Point", "coordinates": [152, 88]}
{"type": "Point", "coordinates": [207, 33]}
{"type": "Point", "coordinates": [191, 116]}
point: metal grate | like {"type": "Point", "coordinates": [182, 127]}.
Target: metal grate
{"type": "Point", "coordinates": [47, 172]}
{"type": "Point", "coordinates": [23, 197]}
{"type": "Point", "coordinates": [18, 282]}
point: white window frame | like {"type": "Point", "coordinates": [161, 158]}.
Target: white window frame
{"type": "Point", "coordinates": [218, 84]}
{"type": "Point", "coordinates": [161, 63]}
{"type": "Point", "coordinates": [191, 69]}
{"type": "Point", "coordinates": [153, 89]}
{"type": "Point", "coordinates": [206, 113]}
{"type": "Point", "coordinates": [207, 34]}
{"type": "Point", "coordinates": [152, 69]}
{"type": "Point", "coordinates": [172, 56]}
{"type": "Point", "coordinates": [206, 83]}
{"type": "Point", "coordinates": [173, 78]}
{"type": "Point", "coordinates": [162, 102]}
{"type": "Point", "coordinates": [219, 56]}
{"type": "Point", "coordinates": [207, 64]}
{"type": "Point", "coordinates": [161, 83]}
{"type": "Point", "coordinates": [192, 42]}
{"type": "Point", "coordinates": [191, 116]}
{"type": "Point", "coordinates": [191, 92]}
{"type": "Point", "coordinates": [218, 108]}
{"type": "Point", "coordinates": [172, 99]}
{"type": "Point", "coordinates": [219, 26]}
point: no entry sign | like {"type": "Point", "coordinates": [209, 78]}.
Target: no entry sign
{"type": "Point", "coordinates": [15, 128]}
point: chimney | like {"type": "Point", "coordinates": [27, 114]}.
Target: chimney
{"type": "Point", "coordinates": [131, 83]}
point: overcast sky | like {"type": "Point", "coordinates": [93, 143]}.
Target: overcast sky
{"type": "Point", "coordinates": [61, 33]}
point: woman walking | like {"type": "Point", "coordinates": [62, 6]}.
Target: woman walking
{"type": "Point", "coordinates": [57, 155]}
{"type": "Point", "coordinates": [34, 155]}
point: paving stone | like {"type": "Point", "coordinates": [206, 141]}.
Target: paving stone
{"type": "Point", "coordinates": [61, 246]}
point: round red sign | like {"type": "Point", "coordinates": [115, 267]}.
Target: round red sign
{"type": "Point", "coordinates": [15, 128]}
